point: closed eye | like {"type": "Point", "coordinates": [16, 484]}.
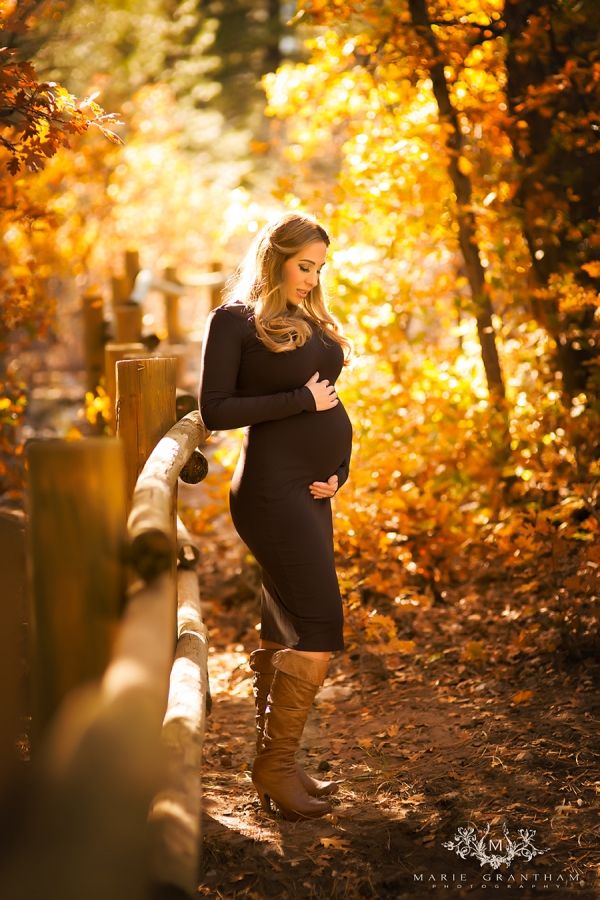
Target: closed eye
{"type": "Point", "coordinates": [306, 269]}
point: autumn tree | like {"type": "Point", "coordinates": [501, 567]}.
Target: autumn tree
{"type": "Point", "coordinates": [383, 41]}
{"type": "Point", "coordinates": [485, 73]}
{"type": "Point", "coordinates": [553, 93]}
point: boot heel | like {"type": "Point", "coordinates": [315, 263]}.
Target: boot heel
{"type": "Point", "coordinates": [289, 814]}
{"type": "Point", "coordinates": [265, 799]}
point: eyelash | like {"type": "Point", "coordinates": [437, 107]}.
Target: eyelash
{"type": "Point", "coordinates": [304, 269]}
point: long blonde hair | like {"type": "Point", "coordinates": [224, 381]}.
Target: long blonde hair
{"type": "Point", "coordinates": [258, 282]}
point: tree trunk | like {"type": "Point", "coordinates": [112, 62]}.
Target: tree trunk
{"type": "Point", "coordinates": [466, 220]}
{"type": "Point", "coordinates": [550, 48]}
{"type": "Point", "coordinates": [273, 58]}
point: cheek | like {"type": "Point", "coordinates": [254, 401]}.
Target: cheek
{"type": "Point", "coordinates": [289, 274]}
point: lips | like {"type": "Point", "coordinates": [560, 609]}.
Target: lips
{"type": "Point", "coordinates": [302, 293]}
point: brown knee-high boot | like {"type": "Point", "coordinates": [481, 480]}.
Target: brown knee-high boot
{"type": "Point", "coordinates": [261, 663]}
{"type": "Point", "coordinates": [295, 683]}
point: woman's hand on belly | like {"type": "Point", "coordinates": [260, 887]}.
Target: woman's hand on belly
{"type": "Point", "coordinates": [322, 489]}
{"type": "Point", "coordinates": [323, 392]}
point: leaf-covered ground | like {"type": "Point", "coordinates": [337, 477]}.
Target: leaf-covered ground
{"type": "Point", "coordinates": [474, 727]}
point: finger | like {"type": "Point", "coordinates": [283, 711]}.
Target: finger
{"type": "Point", "coordinates": [324, 491]}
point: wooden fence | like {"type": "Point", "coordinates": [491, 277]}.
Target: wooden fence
{"type": "Point", "coordinates": [120, 680]}
{"type": "Point", "coordinates": [106, 342]}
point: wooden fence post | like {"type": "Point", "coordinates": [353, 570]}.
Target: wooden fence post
{"type": "Point", "coordinates": [113, 353]}
{"type": "Point", "coordinates": [76, 541]}
{"type": "Point", "coordinates": [172, 308]}
{"type": "Point", "coordinates": [132, 267]}
{"type": "Point", "coordinates": [120, 289]}
{"type": "Point", "coordinates": [12, 615]}
{"type": "Point", "coordinates": [127, 314]}
{"type": "Point", "coordinates": [128, 322]}
{"type": "Point", "coordinates": [93, 336]}
{"type": "Point", "coordinates": [145, 410]}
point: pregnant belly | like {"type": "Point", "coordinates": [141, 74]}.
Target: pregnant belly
{"type": "Point", "coordinates": [307, 447]}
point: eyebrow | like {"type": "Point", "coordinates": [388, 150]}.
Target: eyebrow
{"type": "Point", "coordinates": [310, 261]}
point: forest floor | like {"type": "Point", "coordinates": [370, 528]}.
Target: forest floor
{"type": "Point", "coordinates": [424, 743]}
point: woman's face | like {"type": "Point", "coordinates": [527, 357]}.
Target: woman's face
{"type": "Point", "coordinates": [301, 272]}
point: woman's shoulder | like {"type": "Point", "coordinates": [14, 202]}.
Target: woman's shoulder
{"type": "Point", "coordinates": [236, 309]}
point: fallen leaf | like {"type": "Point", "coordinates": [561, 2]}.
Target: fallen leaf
{"type": "Point", "coordinates": [336, 843]}
{"type": "Point", "coordinates": [522, 696]}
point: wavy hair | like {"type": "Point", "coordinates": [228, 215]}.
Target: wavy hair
{"type": "Point", "coordinates": [258, 282]}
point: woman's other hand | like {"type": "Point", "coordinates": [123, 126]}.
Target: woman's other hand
{"type": "Point", "coordinates": [323, 392]}
{"type": "Point", "coordinates": [322, 489]}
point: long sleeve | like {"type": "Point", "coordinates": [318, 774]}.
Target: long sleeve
{"type": "Point", "coordinates": [344, 470]}
{"type": "Point", "coordinates": [220, 407]}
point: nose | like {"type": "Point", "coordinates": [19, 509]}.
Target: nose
{"type": "Point", "coordinates": [311, 280]}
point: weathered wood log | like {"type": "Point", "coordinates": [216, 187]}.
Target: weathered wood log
{"type": "Point", "coordinates": [99, 769]}
{"type": "Point", "coordinates": [175, 815]}
{"type": "Point", "coordinates": [188, 552]}
{"type": "Point", "coordinates": [93, 337]}
{"type": "Point", "coordinates": [195, 469]}
{"type": "Point", "coordinates": [151, 533]}
{"type": "Point", "coordinates": [76, 544]}
{"type": "Point", "coordinates": [145, 409]}
{"type": "Point", "coordinates": [113, 353]}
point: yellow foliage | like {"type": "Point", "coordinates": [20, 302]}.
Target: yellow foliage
{"type": "Point", "coordinates": [97, 405]}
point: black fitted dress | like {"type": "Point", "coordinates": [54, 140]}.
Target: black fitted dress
{"type": "Point", "coordinates": [286, 447]}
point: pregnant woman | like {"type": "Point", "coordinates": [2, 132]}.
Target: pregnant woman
{"type": "Point", "coordinates": [272, 353]}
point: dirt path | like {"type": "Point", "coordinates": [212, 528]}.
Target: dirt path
{"type": "Point", "coordinates": [423, 751]}
{"type": "Point", "coordinates": [426, 743]}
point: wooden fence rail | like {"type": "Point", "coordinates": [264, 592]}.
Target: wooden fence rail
{"type": "Point", "coordinates": [117, 814]}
